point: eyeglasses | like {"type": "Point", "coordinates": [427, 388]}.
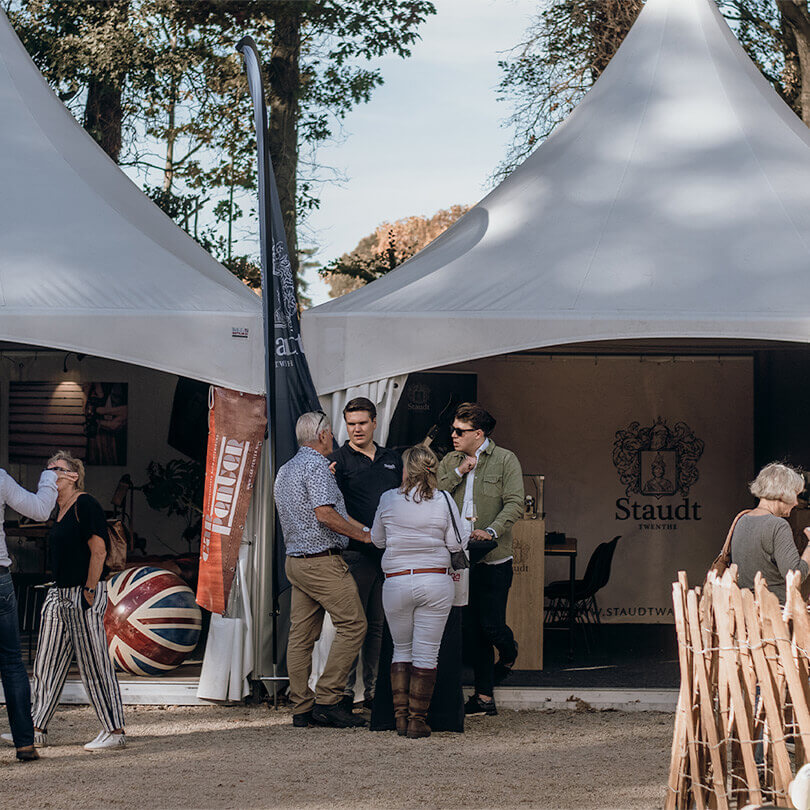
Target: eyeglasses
{"type": "Point", "coordinates": [456, 431]}
{"type": "Point", "coordinates": [59, 469]}
{"type": "Point", "coordinates": [321, 421]}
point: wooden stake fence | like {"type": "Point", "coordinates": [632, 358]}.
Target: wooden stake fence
{"type": "Point", "coordinates": [744, 696]}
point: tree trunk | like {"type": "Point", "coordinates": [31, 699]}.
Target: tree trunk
{"type": "Point", "coordinates": [791, 72]}
{"type": "Point", "coordinates": [171, 131]}
{"type": "Point", "coordinates": [284, 87]}
{"type": "Point", "coordinates": [103, 115]}
{"type": "Point", "coordinates": [103, 111]}
{"type": "Point", "coordinates": [797, 20]}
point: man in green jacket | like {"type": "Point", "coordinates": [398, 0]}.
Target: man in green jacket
{"type": "Point", "coordinates": [486, 483]}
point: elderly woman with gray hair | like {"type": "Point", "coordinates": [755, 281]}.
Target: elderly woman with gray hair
{"type": "Point", "coordinates": [762, 540]}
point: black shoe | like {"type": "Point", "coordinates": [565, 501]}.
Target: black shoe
{"type": "Point", "coordinates": [477, 706]}
{"type": "Point", "coordinates": [503, 667]}
{"type": "Point", "coordinates": [336, 716]}
{"type": "Point", "coordinates": [27, 754]}
{"type": "Point", "coordinates": [303, 720]}
{"type": "Point", "coordinates": [347, 703]}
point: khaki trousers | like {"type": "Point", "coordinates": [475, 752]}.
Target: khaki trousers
{"type": "Point", "coordinates": [322, 584]}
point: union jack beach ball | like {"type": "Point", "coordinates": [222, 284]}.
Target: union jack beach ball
{"type": "Point", "coordinates": [152, 620]}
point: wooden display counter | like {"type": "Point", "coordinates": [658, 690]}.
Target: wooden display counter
{"type": "Point", "coordinates": [524, 612]}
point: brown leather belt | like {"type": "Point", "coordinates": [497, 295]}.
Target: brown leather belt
{"type": "Point", "coordinates": [416, 571]}
{"type": "Point", "coordinates": [328, 553]}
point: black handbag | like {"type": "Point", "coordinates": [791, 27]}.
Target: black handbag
{"type": "Point", "coordinates": [458, 559]}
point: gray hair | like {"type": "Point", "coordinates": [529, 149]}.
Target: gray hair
{"type": "Point", "coordinates": [776, 482]}
{"type": "Point", "coordinates": [310, 425]}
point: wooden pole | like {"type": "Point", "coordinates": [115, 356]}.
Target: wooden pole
{"type": "Point", "coordinates": [705, 701]}
{"type": "Point", "coordinates": [768, 695]}
{"type": "Point", "coordinates": [676, 785]}
{"type": "Point", "coordinates": [730, 674]}
{"type": "Point", "coordinates": [770, 605]}
{"type": "Point", "coordinates": [687, 690]}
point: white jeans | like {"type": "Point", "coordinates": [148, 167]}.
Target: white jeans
{"type": "Point", "coordinates": [417, 607]}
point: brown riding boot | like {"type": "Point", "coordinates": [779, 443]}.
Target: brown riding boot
{"type": "Point", "coordinates": [422, 683]}
{"type": "Point", "coordinates": [400, 686]}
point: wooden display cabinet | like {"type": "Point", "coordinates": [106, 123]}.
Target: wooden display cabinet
{"type": "Point", "coordinates": [524, 611]}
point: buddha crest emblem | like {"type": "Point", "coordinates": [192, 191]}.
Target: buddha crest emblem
{"type": "Point", "coordinates": [658, 460]}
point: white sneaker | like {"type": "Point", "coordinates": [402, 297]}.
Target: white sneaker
{"type": "Point", "coordinates": [106, 739]}
{"type": "Point", "coordinates": [40, 739]}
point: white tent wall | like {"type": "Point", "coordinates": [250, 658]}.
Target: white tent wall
{"type": "Point", "coordinates": [260, 561]}
{"type": "Point", "coordinates": [150, 395]}
{"type": "Point", "coordinates": [561, 414]}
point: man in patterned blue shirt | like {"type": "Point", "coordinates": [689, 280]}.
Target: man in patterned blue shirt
{"type": "Point", "coordinates": [316, 530]}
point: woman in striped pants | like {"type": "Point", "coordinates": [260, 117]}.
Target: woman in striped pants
{"type": "Point", "coordinates": [73, 613]}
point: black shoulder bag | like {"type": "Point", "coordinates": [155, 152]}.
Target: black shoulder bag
{"type": "Point", "coordinates": [458, 559]}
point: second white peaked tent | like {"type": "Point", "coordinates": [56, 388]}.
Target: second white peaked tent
{"type": "Point", "coordinates": [674, 202]}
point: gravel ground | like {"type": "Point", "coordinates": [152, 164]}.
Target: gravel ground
{"type": "Point", "coordinates": [252, 757]}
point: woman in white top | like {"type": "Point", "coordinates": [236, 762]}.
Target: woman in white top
{"type": "Point", "coordinates": [414, 524]}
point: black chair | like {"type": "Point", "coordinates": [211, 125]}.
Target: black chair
{"type": "Point", "coordinates": [585, 608]}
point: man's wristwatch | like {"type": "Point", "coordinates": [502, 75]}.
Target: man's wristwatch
{"type": "Point", "coordinates": [89, 590]}
{"type": "Point", "coordinates": [366, 530]}
{"type": "Point", "coordinates": [491, 533]}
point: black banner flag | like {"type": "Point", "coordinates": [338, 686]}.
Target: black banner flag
{"type": "Point", "coordinates": [290, 390]}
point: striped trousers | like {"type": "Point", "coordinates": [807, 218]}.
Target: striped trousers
{"type": "Point", "coordinates": [67, 628]}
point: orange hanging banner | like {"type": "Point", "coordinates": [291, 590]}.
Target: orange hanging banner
{"type": "Point", "coordinates": [236, 428]}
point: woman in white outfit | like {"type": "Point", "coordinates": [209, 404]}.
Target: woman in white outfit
{"type": "Point", "coordinates": [415, 526]}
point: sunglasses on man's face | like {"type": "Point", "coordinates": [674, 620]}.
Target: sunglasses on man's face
{"type": "Point", "coordinates": [457, 431]}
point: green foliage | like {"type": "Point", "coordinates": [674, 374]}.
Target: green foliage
{"type": "Point", "coordinates": [391, 244]}
{"type": "Point", "coordinates": [246, 269]}
{"type": "Point", "coordinates": [175, 488]}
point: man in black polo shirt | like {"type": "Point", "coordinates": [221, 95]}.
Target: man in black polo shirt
{"type": "Point", "coordinates": [363, 471]}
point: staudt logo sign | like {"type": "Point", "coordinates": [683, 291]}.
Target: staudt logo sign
{"type": "Point", "coordinates": [657, 462]}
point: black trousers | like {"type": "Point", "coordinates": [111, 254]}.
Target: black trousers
{"type": "Point", "coordinates": [485, 625]}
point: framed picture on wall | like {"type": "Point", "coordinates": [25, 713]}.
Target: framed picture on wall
{"type": "Point", "coordinates": [88, 419]}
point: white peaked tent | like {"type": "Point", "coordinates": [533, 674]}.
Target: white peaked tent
{"type": "Point", "coordinates": [88, 263]}
{"type": "Point", "coordinates": [674, 202]}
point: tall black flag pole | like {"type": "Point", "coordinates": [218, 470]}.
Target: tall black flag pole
{"type": "Point", "coordinates": [250, 54]}
{"type": "Point", "coordinates": [290, 390]}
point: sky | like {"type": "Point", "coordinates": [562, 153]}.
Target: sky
{"type": "Point", "coordinates": [430, 137]}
